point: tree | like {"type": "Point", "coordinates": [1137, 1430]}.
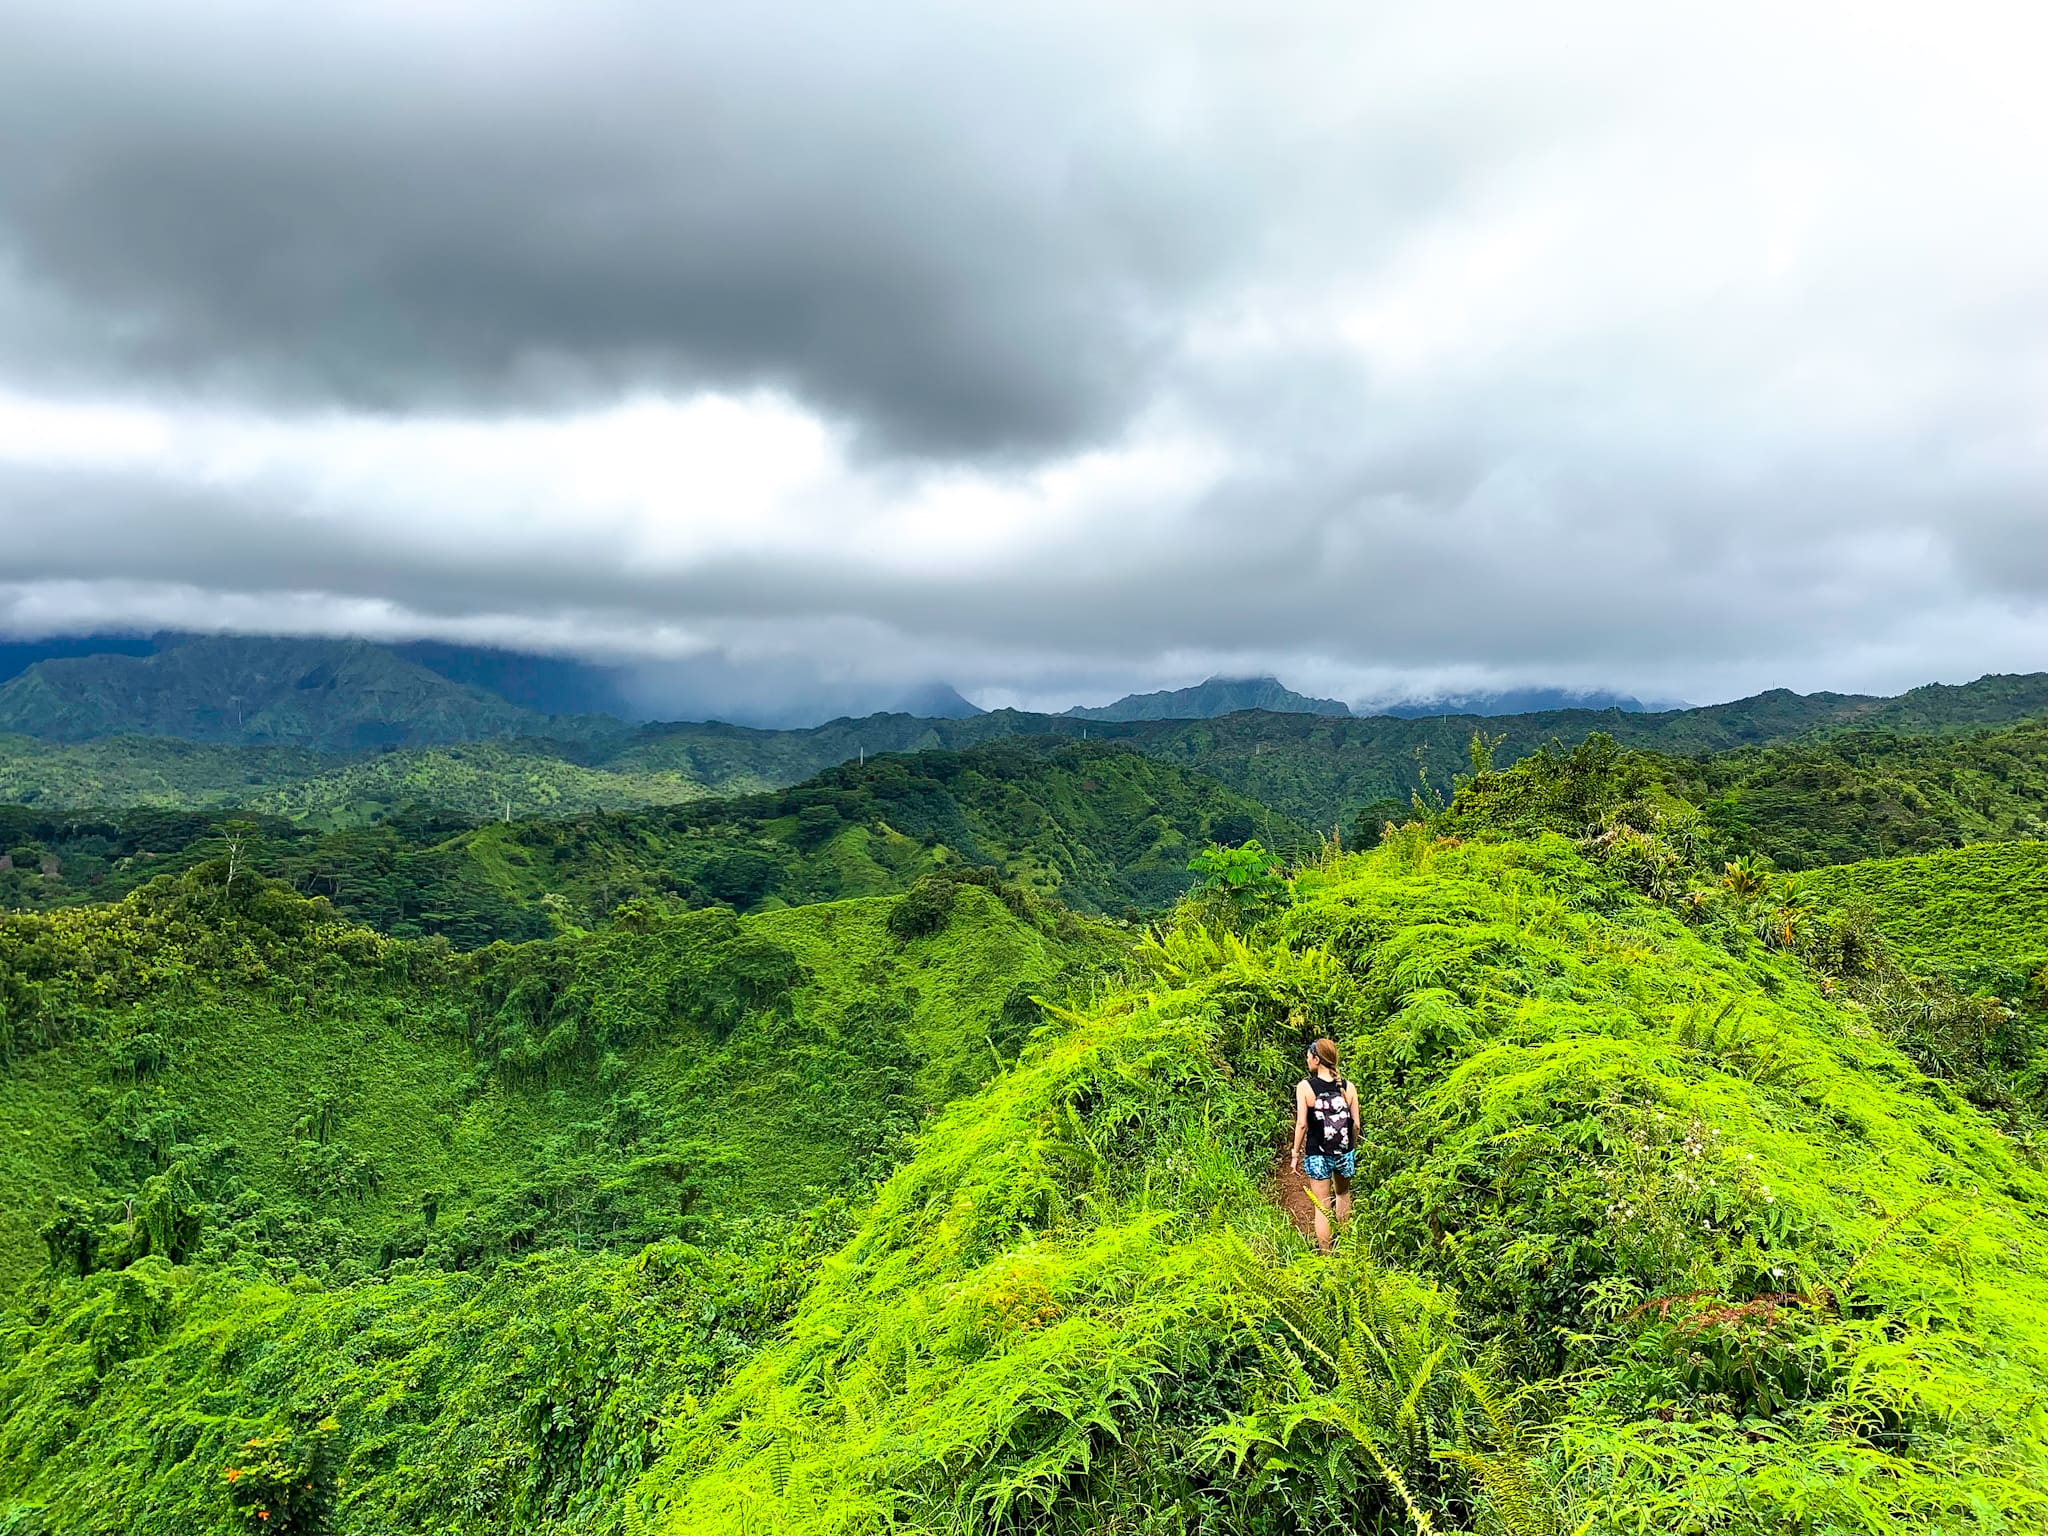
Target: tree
{"type": "Point", "coordinates": [1240, 885]}
{"type": "Point", "coordinates": [240, 843]}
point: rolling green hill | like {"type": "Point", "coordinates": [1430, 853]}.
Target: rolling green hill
{"type": "Point", "coordinates": [1655, 1232]}
{"type": "Point", "coordinates": [342, 1102]}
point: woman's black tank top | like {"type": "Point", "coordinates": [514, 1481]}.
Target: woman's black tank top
{"type": "Point", "coordinates": [1329, 1119]}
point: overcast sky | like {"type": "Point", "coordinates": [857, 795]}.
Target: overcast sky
{"type": "Point", "coordinates": [1054, 350]}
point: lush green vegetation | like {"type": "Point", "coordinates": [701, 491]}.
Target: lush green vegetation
{"type": "Point", "coordinates": [1682, 1208]}
{"type": "Point", "coordinates": [1982, 1027]}
{"type": "Point", "coordinates": [339, 1101]}
{"type": "Point", "coordinates": [474, 780]}
{"type": "Point", "coordinates": [1874, 794]}
{"type": "Point", "coordinates": [125, 771]}
{"type": "Point", "coordinates": [1319, 770]}
{"type": "Point", "coordinates": [1979, 914]}
{"type": "Point", "coordinates": [1619, 1263]}
{"type": "Point", "coordinates": [1098, 828]}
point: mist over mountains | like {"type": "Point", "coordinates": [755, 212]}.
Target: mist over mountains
{"type": "Point", "coordinates": [1522, 701]}
{"type": "Point", "coordinates": [75, 702]}
{"type": "Point", "coordinates": [107, 684]}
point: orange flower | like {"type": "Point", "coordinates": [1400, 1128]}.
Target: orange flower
{"type": "Point", "coordinates": [233, 1473]}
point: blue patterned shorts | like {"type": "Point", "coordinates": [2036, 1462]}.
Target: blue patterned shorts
{"type": "Point", "coordinates": [1319, 1165]}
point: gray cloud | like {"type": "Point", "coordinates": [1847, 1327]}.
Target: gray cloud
{"type": "Point", "coordinates": [1061, 349]}
{"type": "Point", "coordinates": [962, 240]}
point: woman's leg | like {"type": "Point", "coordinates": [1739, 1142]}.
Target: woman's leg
{"type": "Point", "coordinates": [1319, 1193]}
{"type": "Point", "coordinates": [1341, 1211]}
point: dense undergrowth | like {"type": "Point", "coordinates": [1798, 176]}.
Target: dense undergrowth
{"type": "Point", "coordinates": [1979, 913]}
{"type": "Point", "coordinates": [1687, 1204]}
{"type": "Point", "coordinates": [1655, 1236]}
{"type": "Point", "coordinates": [275, 1083]}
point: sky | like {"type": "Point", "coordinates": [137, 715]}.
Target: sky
{"type": "Point", "coordinates": [1053, 350]}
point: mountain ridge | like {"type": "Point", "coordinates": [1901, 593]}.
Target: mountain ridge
{"type": "Point", "coordinates": [1210, 698]}
{"type": "Point", "coordinates": [552, 687]}
{"type": "Point", "coordinates": [1318, 769]}
{"type": "Point", "coordinates": [332, 694]}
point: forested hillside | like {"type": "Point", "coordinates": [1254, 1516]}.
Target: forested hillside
{"type": "Point", "coordinates": [334, 695]}
{"type": "Point", "coordinates": [1672, 1215]}
{"type": "Point", "coordinates": [1872, 794]}
{"type": "Point", "coordinates": [1100, 829]}
{"type": "Point", "coordinates": [1318, 769]}
{"type": "Point", "coordinates": [472, 780]}
{"type": "Point", "coordinates": [254, 1078]}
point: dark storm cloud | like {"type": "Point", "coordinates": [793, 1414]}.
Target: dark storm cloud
{"type": "Point", "coordinates": [959, 238]}
{"type": "Point", "coordinates": [1044, 348]}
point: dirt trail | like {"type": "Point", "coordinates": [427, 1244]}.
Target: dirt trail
{"type": "Point", "coordinates": [1286, 1188]}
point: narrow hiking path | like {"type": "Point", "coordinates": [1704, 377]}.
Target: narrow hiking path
{"type": "Point", "coordinates": [1286, 1188]}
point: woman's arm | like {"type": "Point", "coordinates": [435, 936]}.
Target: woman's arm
{"type": "Point", "coordinates": [1301, 1103]}
{"type": "Point", "coordinates": [1357, 1124]}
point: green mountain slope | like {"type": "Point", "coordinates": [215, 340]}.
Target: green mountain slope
{"type": "Point", "coordinates": [148, 770]}
{"type": "Point", "coordinates": [475, 779]}
{"type": "Point", "coordinates": [325, 694]}
{"type": "Point", "coordinates": [1097, 828]}
{"type": "Point", "coordinates": [337, 1103]}
{"type": "Point", "coordinates": [1978, 913]}
{"type": "Point", "coordinates": [1314, 768]}
{"type": "Point", "coordinates": [1619, 1265]}
{"type": "Point", "coordinates": [1869, 794]}
{"type": "Point", "coordinates": [1321, 769]}
{"type": "Point", "coordinates": [1206, 700]}
{"type": "Point", "coordinates": [1094, 827]}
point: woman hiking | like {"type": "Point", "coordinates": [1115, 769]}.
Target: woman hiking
{"type": "Point", "coordinates": [1326, 1132]}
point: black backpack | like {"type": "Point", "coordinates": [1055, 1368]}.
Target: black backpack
{"type": "Point", "coordinates": [1329, 1118]}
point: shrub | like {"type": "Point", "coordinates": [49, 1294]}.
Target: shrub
{"type": "Point", "coordinates": [924, 909]}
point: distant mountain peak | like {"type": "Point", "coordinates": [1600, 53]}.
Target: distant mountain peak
{"type": "Point", "coordinates": [1216, 696]}
{"type": "Point", "coordinates": [936, 701]}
